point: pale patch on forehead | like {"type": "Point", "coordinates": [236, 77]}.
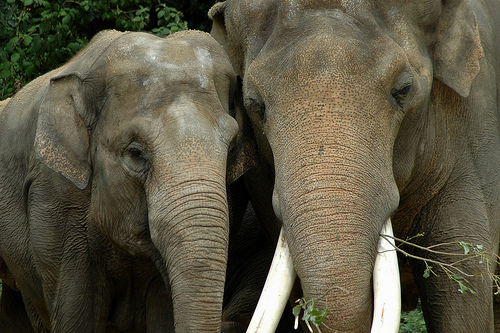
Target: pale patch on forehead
{"type": "Point", "coordinates": [155, 54]}
{"type": "Point", "coordinates": [152, 54]}
{"type": "Point", "coordinates": [205, 63]}
{"type": "Point", "coordinates": [152, 80]}
{"type": "Point", "coordinates": [184, 113]}
{"type": "Point", "coordinates": [178, 61]}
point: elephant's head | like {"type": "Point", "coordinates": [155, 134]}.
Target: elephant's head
{"type": "Point", "coordinates": [339, 94]}
{"type": "Point", "coordinates": [146, 123]}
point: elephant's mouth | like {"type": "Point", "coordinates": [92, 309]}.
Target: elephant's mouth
{"type": "Point", "coordinates": [386, 288]}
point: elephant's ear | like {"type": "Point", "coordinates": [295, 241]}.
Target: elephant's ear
{"type": "Point", "coordinates": [62, 140]}
{"type": "Point", "coordinates": [458, 46]}
{"type": "Point", "coordinates": [243, 156]}
{"type": "Point", "coordinates": [216, 14]}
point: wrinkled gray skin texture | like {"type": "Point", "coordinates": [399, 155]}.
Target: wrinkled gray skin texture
{"type": "Point", "coordinates": [364, 110]}
{"type": "Point", "coordinates": [113, 209]}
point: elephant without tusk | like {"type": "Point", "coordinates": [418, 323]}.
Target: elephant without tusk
{"type": "Point", "coordinates": [113, 204]}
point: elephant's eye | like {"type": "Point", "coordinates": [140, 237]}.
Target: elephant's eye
{"type": "Point", "coordinates": [135, 159]}
{"type": "Point", "coordinates": [135, 153]}
{"type": "Point", "coordinates": [399, 95]}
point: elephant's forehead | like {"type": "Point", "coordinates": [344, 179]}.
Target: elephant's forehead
{"type": "Point", "coordinates": [175, 60]}
{"type": "Point", "coordinates": [182, 62]}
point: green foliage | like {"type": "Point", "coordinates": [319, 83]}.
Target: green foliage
{"type": "Point", "coordinates": [413, 321]}
{"type": "Point", "coordinates": [311, 314]}
{"type": "Point", "coordinates": [39, 35]}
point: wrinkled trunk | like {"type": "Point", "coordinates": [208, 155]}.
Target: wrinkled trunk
{"type": "Point", "coordinates": [189, 226]}
{"type": "Point", "coordinates": [279, 283]}
{"type": "Point", "coordinates": [334, 190]}
{"type": "Point", "coordinates": [335, 259]}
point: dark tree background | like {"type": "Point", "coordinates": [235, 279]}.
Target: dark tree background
{"type": "Point", "coordinates": [39, 35]}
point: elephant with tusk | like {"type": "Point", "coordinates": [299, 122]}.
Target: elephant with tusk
{"type": "Point", "coordinates": [364, 112]}
{"type": "Point", "coordinates": [113, 204]}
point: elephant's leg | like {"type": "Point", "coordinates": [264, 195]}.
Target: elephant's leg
{"type": "Point", "coordinates": [13, 316]}
{"type": "Point", "coordinates": [82, 298]}
{"type": "Point", "coordinates": [250, 257]}
{"type": "Point", "coordinates": [243, 289]}
{"type": "Point", "coordinates": [445, 308]}
{"type": "Point", "coordinates": [159, 308]}
{"type": "Point", "coordinates": [409, 291]}
{"type": "Point", "coordinates": [34, 317]}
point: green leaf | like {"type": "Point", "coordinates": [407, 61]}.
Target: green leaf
{"type": "Point", "coordinates": [29, 69]}
{"type": "Point", "coordinates": [427, 272]}
{"type": "Point", "coordinates": [5, 73]}
{"type": "Point", "coordinates": [73, 47]}
{"type": "Point", "coordinates": [15, 57]}
{"type": "Point", "coordinates": [27, 2]}
{"type": "Point", "coordinates": [296, 310]}
{"type": "Point", "coordinates": [12, 44]}
{"type": "Point", "coordinates": [465, 247]}
{"type": "Point", "coordinates": [27, 40]}
{"type": "Point", "coordinates": [35, 45]}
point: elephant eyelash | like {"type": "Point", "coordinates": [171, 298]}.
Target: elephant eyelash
{"type": "Point", "coordinates": [261, 111]}
{"type": "Point", "coordinates": [135, 152]}
{"type": "Point", "coordinates": [399, 95]}
{"type": "Point", "coordinates": [136, 160]}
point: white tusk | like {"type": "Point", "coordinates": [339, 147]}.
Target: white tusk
{"type": "Point", "coordinates": [386, 285]}
{"type": "Point", "coordinates": [279, 282]}
{"type": "Point", "coordinates": [276, 291]}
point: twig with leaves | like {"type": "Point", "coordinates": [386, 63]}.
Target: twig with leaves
{"type": "Point", "coordinates": [312, 314]}
{"type": "Point", "coordinates": [469, 251]}
{"type": "Point", "coordinates": [315, 316]}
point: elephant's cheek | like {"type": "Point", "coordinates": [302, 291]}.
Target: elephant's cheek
{"type": "Point", "coordinates": [119, 208]}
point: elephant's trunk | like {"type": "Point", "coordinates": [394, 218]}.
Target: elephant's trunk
{"type": "Point", "coordinates": [333, 199]}
{"type": "Point", "coordinates": [189, 226]}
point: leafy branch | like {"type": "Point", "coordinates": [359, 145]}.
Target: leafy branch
{"type": "Point", "coordinates": [469, 251]}
{"type": "Point", "coordinates": [312, 314]}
